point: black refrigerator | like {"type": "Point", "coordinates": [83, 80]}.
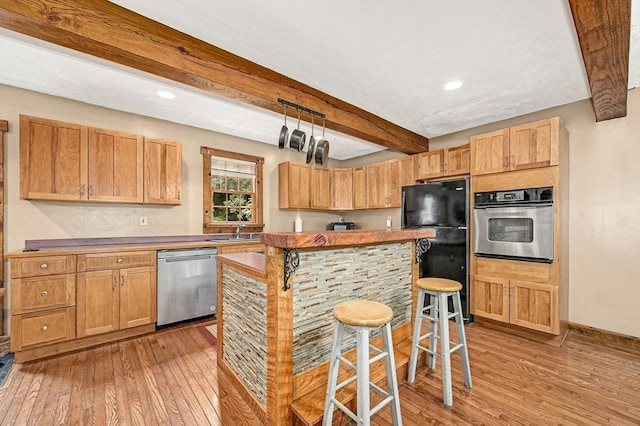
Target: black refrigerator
{"type": "Point", "coordinates": [444, 207]}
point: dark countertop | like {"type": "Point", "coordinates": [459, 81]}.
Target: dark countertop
{"type": "Point", "coordinates": [85, 245]}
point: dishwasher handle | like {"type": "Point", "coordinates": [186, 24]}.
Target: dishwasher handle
{"type": "Point", "coordinates": [187, 258]}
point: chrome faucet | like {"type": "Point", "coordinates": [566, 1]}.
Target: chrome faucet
{"type": "Point", "coordinates": [239, 229]}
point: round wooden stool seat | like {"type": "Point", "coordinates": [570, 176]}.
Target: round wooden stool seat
{"type": "Point", "coordinates": [363, 313]}
{"type": "Point", "coordinates": [439, 284]}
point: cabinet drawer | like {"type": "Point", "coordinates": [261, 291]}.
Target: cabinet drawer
{"type": "Point", "coordinates": [43, 265]}
{"type": "Point", "coordinates": [98, 261]}
{"type": "Point", "coordinates": [33, 330]}
{"type": "Point", "coordinates": [42, 293]}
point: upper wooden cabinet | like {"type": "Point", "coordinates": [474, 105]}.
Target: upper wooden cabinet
{"type": "Point", "coordinates": [444, 162]}
{"type": "Point", "coordinates": [163, 171]}
{"type": "Point", "coordinates": [302, 186]}
{"type": "Point", "coordinates": [377, 176]}
{"type": "Point", "coordinates": [378, 185]}
{"type": "Point", "coordinates": [71, 162]}
{"type": "Point", "coordinates": [293, 185]}
{"type": "Point", "coordinates": [528, 146]}
{"type": "Point", "coordinates": [400, 173]}
{"type": "Point", "coordinates": [384, 182]}
{"type": "Point", "coordinates": [341, 189]}
{"type": "Point", "coordinates": [359, 188]}
{"type": "Point", "coordinates": [320, 188]}
{"type": "Point", "coordinates": [53, 160]}
{"type": "Point", "coordinates": [115, 166]}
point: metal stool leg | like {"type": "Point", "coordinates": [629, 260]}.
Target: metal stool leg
{"type": "Point", "coordinates": [338, 332]}
{"type": "Point", "coordinates": [462, 339]}
{"type": "Point", "coordinates": [392, 380]}
{"type": "Point", "coordinates": [417, 325]}
{"type": "Point", "coordinates": [443, 316]}
{"type": "Point", "coordinates": [362, 356]}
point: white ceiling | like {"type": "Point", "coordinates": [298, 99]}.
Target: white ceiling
{"type": "Point", "coordinates": [391, 58]}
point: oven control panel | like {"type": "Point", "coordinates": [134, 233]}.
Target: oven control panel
{"type": "Point", "coordinates": [516, 196]}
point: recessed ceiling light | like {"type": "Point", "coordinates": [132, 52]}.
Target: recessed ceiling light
{"type": "Point", "coordinates": [453, 85]}
{"type": "Point", "coordinates": [166, 94]}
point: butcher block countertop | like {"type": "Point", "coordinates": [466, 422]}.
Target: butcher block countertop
{"type": "Point", "coordinates": [325, 239]}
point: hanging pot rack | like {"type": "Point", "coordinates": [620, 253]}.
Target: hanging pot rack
{"type": "Point", "coordinates": [285, 103]}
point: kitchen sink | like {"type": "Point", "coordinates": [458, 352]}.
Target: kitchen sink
{"type": "Point", "coordinates": [247, 238]}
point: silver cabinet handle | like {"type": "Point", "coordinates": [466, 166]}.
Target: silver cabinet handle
{"type": "Point", "coordinates": [44, 293]}
{"type": "Point", "coordinates": [44, 266]}
{"type": "Point", "coordinates": [44, 328]}
{"type": "Point", "coordinates": [119, 260]}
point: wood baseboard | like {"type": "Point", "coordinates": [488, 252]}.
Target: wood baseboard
{"type": "Point", "coordinates": [606, 338]}
{"type": "Point", "coordinates": [83, 343]}
{"type": "Point", "coordinates": [538, 336]}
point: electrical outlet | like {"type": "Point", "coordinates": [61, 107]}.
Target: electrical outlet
{"type": "Point", "coordinates": [143, 221]}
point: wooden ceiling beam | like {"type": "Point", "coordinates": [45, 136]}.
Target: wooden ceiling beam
{"type": "Point", "coordinates": [604, 28]}
{"type": "Point", "coordinates": [106, 30]}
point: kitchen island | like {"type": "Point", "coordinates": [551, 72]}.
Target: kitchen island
{"type": "Point", "coordinates": [275, 311]}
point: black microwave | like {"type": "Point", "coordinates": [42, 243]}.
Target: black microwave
{"type": "Point", "coordinates": [341, 226]}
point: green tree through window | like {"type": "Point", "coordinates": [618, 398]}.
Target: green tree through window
{"type": "Point", "coordinates": [234, 194]}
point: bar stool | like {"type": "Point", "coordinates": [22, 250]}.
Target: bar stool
{"type": "Point", "coordinates": [437, 312]}
{"type": "Point", "coordinates": [364, 316]}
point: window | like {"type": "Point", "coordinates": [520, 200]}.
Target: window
{"type": "Point", "coordinates": [232, 192]}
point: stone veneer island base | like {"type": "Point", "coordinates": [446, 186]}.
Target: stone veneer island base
{"type": "Point", "coordinates": [275, 313]}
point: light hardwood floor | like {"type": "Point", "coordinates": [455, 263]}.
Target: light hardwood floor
{"type": "Point", "coordinates": [170, 377]}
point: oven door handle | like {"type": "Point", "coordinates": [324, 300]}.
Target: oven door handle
{"type": "Point", "coordinates": [524, 206]}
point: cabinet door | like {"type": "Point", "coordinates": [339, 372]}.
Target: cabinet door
{"type": "Point", "coordinates": [377, 178]}
{"type": "Point", "coordinates": [320, 188]}
{"type": "Point", "coordinates": [294, 185]}
{"type": "Point", "coordinates": [162, 172]}
{"type": "Point", "coordinates": [429, 164]}
{"type": "Point", "coordinates": [457, 160]}
{"type": "Point", "coordinates": [359, 188]}
{"type": "Point", "coordinates": [341, 189]}
{"type": "Point", "coordinates": [98, 302]}
{"type": "Point", "coordinates": [490, 297]}
{"type": "Point", "coordinates": [534, 145]}
{"type": "Point", "coordinates": [115, 166]}
{"type": "Point", "coordinates": [534, 306]}
{"type": "Point", "coordinates": [53, 160]}
{"type": "Point", "coordinates": [137, 297]}
{"type": "Point", "coordinates": [490, 152]}
{"type": "Point", "coordinates": [400, 174]}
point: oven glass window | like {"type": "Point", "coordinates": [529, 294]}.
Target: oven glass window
{"type": "Point", "coordinates": [511, 230]}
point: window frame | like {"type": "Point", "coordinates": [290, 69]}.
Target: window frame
{"type": "Point", "coordinates": [209, 227]}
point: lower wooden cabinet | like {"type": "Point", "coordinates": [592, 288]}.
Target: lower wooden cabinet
{"type": "Point", "coordinates": [59, 302]}
{"type": "Point", "coordinates": [115, 296]}
{"type": "Point", "coordinates": [527, 304]}
{"type": "Point", "coordinates": [42, 301]}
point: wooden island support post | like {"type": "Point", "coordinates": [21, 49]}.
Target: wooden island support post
{"type": "Point", "coordinates": [275, 312]}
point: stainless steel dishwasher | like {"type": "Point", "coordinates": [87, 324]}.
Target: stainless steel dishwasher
{"type": "Point", "coordinates": [187, 284]}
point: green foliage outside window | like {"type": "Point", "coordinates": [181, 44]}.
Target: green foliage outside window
{"type": "Point", "coordinates": [233, 188]}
